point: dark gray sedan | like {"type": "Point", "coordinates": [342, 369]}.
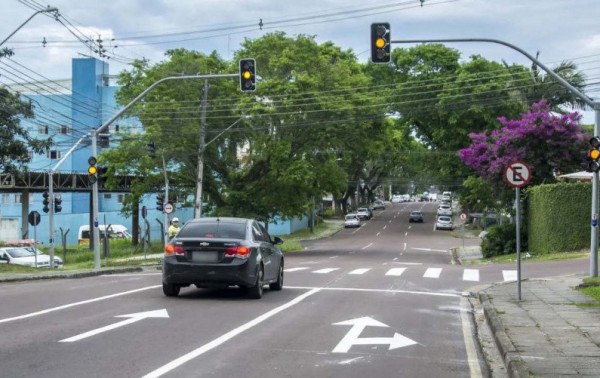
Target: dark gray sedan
{"type": "Point", "coordinates": [222, 252]}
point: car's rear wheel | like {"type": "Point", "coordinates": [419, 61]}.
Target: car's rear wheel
{"type": "Point", "coordinates": [278, 285]}
{"type": "Point", "coordinates": [256, 291]}
{"type": "Point", "coordinates": [171, 290]}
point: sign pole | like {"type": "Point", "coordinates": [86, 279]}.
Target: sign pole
{"type": "Point", "coordinates": [518, 225]}
{"type": "Point", "coordinates": [35, 243]}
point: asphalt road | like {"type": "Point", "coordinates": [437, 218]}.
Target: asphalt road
{"type": "Point", "coordinates": [383, 300]}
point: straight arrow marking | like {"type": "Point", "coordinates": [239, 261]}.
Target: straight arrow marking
{"type": "Point", "coordinates": [132, 319]}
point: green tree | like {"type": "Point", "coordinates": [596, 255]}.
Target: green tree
{"type": "Point", "coordinates": [15, 141]}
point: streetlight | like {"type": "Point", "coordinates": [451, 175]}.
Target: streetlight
{"type": "Point", "coordinates": [198, 204]}
{"type": "Point", "coordinates": [47, 10]}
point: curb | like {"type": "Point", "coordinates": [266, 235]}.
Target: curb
{"type": "Point", "coordinates": [515, 366]}
{"type": "Point", "coordinates": [69, 275]}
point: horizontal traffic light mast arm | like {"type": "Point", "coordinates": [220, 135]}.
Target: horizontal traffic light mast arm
{"type": "Point", "coordinates": [105, 125]}
{"type": "Point", "coordinates": [565, 83]}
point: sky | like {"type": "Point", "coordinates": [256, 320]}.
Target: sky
{"type": "Point", "coordinates": [134, 29]}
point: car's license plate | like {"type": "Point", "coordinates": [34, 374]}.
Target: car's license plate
{"type": "Point", "coordinates": [205, 256]}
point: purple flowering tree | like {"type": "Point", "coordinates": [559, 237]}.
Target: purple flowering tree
{"type": "Point", "coordinates": [550, 143]}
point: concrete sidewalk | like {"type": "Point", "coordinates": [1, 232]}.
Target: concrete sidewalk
{"type": "Point", "coordinates": [549, 333]}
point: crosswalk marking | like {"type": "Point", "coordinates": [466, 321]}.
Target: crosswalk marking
{"type": "Point", "coordinates": [432, 273]}
{"type": "Point", "coordinates": [294, 269]}
{"type": "Point", "coordinates": [360, 271]}
{"type": "Point", "coordinates": [395, 271]}
{"type": "Point", "coordinates": [509, 275]}
{"type": "Point", "coordinates": [471, 275]}
{"type": "Point", "coordinates": [325, 271]}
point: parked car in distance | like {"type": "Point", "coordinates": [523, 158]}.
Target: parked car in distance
{"type": "Point", "coordinates": [444, 210]}
{"type": "Point", "coordinates": [444, 223]}
{"type": "Point", "coordinates": [378, 205]}
{"type": "Point", "coordinates": [27, 257]}
{"type": "Point", "coordinates": [363, 213]}
{"type": "Point", "coordinates": [351, 220]}
{"type": "Point", "coordinates": [222, 252]}
{"type": "Point", "coordinates": [415, 216]}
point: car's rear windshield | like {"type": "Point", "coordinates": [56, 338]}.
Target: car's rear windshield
{"type": "Point", "coordinates": [415, 213]}
{"type": "Point", "coordinates": [353, 216]}
{"type": "Point", "coordinates": [444, 219]}
{"type": "Point", "coordinates": [220, 230]}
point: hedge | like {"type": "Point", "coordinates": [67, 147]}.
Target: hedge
{"type": "Point", "coordinates": [558, 217]}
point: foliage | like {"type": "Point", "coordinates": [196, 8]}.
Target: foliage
{"type": "Point", "coordinates": [549, 143]}
{"type": "Point", "coordinates": [476, 195]}
{"type": "Point", "coordinates": [501, 239]}
{"type": "Point", "coordinates": [15, 141]}
{"type": "Point", "coordinates": [559, 217]}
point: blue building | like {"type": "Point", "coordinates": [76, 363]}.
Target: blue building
{"type": "Point", "coordinates": [67, 110]}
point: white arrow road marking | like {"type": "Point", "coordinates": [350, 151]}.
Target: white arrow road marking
{"type": "Point", "coordinates": [432, 273]}
{"type": "Point", "coordinates": [360, 271]}
{"type": "Point", "coordinates": [395, 271]}
{"type": "Point", "coordinates": [471, 275]}
{"type": "Point", "coordinates": [132, 319]}
{"type": "Point", "coordinates": [325, 271]}
{"type": "Point", "coordinates": [295, 269]}
{"type": "Point", "coordinates": [358, 325]}
{"type": "Point", "coordinates": [509, 275]}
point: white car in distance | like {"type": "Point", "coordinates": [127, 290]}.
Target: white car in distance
{"type": "Point", "coordinates": [351, 220]}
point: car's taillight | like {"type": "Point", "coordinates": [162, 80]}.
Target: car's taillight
{"type": "Point", "coordinates": [173, 249]}
{"type": "Point", "coordinates": [240, 251]}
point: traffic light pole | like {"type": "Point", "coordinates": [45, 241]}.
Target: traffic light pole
{"type": "Point", "coordinates": [576, 92]}
{"type": "Point", "coordinates": [95, 235]}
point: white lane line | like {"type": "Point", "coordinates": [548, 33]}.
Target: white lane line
{"type": "Point", "coordinates": [471, 275]}
{"type": "Point", "coordinates": [48, 310]}
{"type": "Point", "coordinates": [360, 271]}
{"type": "Point", "coordinates": [395, 271]}
{"type": "Point", "coordinates": [226, 337]}
{"type": "Point", "coordinates": [390, 221]}
{"type": "Point", "coordinates": [434, 294]}
{"type": "Point", "coordinates": [409, 227]}
{"type": "Point", "coordinates": [404, 247]}
{"type": "Point", "coordinates": [378, 233]}
{"type": "Point", "coordinates": [129, 274]}
{"type": "Point", "coordinates": [367, 246]}
{"type": "Point", "coordinates": [509, 275]}
{"type": "Point", "coordinates": [384, 227]}
{"type": "Point", "coordinates": [432, 273]}
{"type": "Point", "coordinates": [408, 263]}
{"type": "Point", "coordinates": [295, 269]}
{"type": "Point", "coordinates": [333, 257]}
{"type": "Point", "coordinates": [325, 271]}
{"type": "Point", "coordinates": [406, 233]}
{"type": "Point", "coordinates": [430, 250]}
{"type": "Point", "coordinates": [472, 357]}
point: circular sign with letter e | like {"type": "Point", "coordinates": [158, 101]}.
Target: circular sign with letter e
{"type": "Point", "coordinates": [517, 174]}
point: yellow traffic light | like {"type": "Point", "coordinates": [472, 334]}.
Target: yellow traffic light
{"type": "Point", "coordinates": [92, 170]}
{"type": "Point", "coordinates": [380, 43]}
{"type": "Point", "coordinates": [594, 154]}
{"type": "Point", "coordinates": [247, 75]}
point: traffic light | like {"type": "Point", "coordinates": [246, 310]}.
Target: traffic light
{"type": "Point", "coordinates": [247, 75]}
{"type": "Point", "coordinates": [380, 42]}
{"type": "Point", "coordinates": [101, 174]}
{"type": "Point", "coordinates": [160, 201]}
{"type": "Point", "coordinates": [57, 203]}
{"type": "Point", "coordinates": [46, 202]}
{"type": "Point", "coordinates": [92, 170]}
{"type": "Point", "coordinates": [151, 149]}
{"type": "Point", "coordinates": [592, 157]}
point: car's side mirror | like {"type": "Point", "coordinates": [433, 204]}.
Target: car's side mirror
{"type": "Point", "coordinates": [5, 258]}
{"type": "Point", "coordinates": [277, 240]}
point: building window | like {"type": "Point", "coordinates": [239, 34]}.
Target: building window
{"type": "Point", "coordinates": [65, 130]}
{"type": "Point", "coordinates": [18, 198]}
{"type": "Point", "coordinates": [54, 154]}
{"type": "Point", "coordinates": [5, 198]}
{"type": "Point", "coordinates": [120, 198]}
{"type": "Point", "coordinates": [43, 129]}
{"type": "Point", "coordinates": [107, 196]}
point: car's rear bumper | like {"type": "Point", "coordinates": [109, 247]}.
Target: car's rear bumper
{"type": "Point", "coordinates": [239, 272]}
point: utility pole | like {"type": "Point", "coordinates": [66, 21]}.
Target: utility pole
{"type": "Point", "coordinates": [201, 147]}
